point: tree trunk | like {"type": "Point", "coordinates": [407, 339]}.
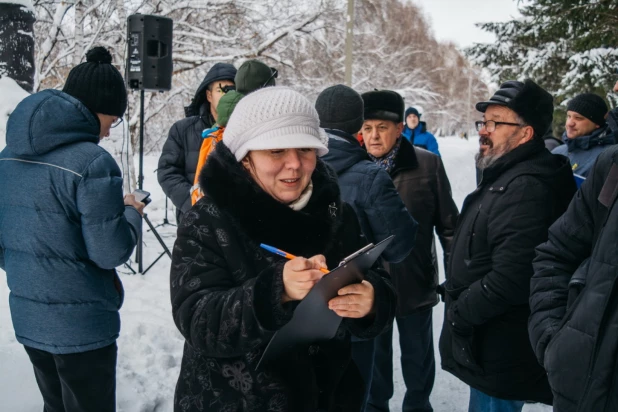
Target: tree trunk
{"type": "Point", "coordinates": [17, 44]}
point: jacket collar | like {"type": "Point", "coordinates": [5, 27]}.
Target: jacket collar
{"type": "Point", "coordinates": [406, 158]}
{"type": "Point", "coordinates": [599, 137]}
{"type": "Point", "coordinates": [346, 136]}
{"type": "Point", "coordinates": [512, 158]}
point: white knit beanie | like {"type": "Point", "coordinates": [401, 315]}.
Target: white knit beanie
{"type": "Point", "coordinates": [274, 118]}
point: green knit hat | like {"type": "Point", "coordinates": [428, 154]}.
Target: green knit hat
{"type": "Point", "coordinates": [253, 75]}
{"type": "Point", "coordinates": [226, 106]}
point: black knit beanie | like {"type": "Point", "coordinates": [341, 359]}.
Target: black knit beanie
{"type": "Point", "coordinates": [98, 84]}
{"type": "Point", "coordinates": [412, 110]}
{"type": "Point", "coordinates": [340, 107]}
{"type": "Point", "coordinates": [590, 106]}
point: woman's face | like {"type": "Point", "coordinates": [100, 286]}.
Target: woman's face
{"type": "Point", "coordinates": [282, 173]}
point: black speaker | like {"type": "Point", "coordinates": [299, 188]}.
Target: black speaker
{"type": "Point", "coordinates": [149, 62]}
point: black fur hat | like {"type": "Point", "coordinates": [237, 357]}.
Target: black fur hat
{"type": "Point", "coordinates": [529, 100]}
{"type": "Point", "coordinates": [383, 105]}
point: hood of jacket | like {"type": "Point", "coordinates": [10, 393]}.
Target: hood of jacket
{"type": "Point", "coordinates": [46, 120]}
{"type": "Point", "coordinates": [199, 105]}
{"type": "Point", "coordinates": [600, 137]}
{"type": "Point", "coordinates": [343, 151]}
{"type": "Point", "coordinates": [266, 220]}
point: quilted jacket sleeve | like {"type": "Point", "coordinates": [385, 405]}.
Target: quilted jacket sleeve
{"type": "Point", "coordinates": [569, 244]}
{"type": "Point", "coordinates": [110, 229]}
{"type": "Point", "coordinates": [387, 215]}
{"type": "Point", "coordinates": [385, 298]}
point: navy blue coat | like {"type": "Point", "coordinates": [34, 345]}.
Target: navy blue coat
{"type": "Point", "coordinates": [584, 150]}
{"type": "Point", "coordinates": [370, 191]}
{"type": "Point", "coordinates": [420, 137]}
{"type": "Point", "coordinates": [63, 226]}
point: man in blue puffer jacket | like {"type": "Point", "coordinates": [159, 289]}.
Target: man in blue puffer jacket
{"type": "Point", "coordinates": [64, 227]}
{"type": "Point", "coordinates": [416, 132]}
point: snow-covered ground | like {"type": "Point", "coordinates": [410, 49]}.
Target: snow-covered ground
{"type": "Point", "coordinates": [150, 347]}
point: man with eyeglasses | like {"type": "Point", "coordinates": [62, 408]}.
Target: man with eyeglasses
{"type": "Point", "coordinates": [523, 189]}
{"type": "Point", "coordinates": [64, 227]}
{"type": "Point", "coordinates": [179, 157]}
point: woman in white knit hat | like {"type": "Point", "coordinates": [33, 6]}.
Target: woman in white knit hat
{"type": "Point", "coordinates": [265, 184]}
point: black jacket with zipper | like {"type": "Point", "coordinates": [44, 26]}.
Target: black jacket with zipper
{"type": "Point", "coordinates": [574, 296]}
{"type": "Point", "coordinates": [484, 339]}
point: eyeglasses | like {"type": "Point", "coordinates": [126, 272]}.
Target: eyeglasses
{"type": "Point", "coordinates": [226, 89]}
{"type": "Point", "coordinates": [274, 75]}
{"type": "Point", "coordinates": [117, 122]}
{"type": "Point", "coordinates": [490, 125]}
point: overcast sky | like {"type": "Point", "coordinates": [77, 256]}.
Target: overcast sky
{"type": "Point", "coordinates": [454, 19]}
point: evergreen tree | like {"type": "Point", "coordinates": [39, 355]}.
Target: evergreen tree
{"type": "Point", "coordinates": [567, 46]}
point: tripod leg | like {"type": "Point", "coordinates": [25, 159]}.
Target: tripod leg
{"type": "Point", "coordinates": [154, 231]}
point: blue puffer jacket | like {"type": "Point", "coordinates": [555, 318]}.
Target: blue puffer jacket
{"type": "Point", "coordinates": [372, 194]}
{"type": "Point", "coordinates": [584, 150]}
{"type": "Point", "coordinates": [422, 138]}
{"type": "Point", "coordinates": [63, 226]}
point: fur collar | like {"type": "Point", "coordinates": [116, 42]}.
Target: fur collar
{"type": "Point", "coordinates": [265, 220]}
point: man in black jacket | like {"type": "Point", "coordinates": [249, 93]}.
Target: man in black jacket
{"type": "Point", "coordinates": [523, 189]}
{"type": "Point", "coordinates": [573, 296]}
{"type": "Point", "coordinates": [178, 161]}
{"type": "Point", "coordinates": [421, 182]}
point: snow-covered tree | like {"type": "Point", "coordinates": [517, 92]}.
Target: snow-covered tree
{"type": "Point", "coordinates": [567, 46]}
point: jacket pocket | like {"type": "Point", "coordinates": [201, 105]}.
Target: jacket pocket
{"type": "Point", "coordinates": [464, 350]}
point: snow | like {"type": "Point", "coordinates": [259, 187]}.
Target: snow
{"type": "Point", "coordinates": [150, 347]}
{"type": "Point", "coordinates": [12, 94]}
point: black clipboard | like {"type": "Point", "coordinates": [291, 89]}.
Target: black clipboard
{"type": "Point", "coordinates": [313, 321]}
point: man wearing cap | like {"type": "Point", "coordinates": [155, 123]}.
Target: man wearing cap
{"type": "Point", "coordinates": [179, 157]}
{"type": "Point", "coordinates": [366, 187]}
{"type": "Point", "coordinates": [422, 184]}
{"type": "Point", "coordinates": [64, 228]}
{"type": "Point", "coordinates": [587, 134]}
{"type": "Point", "coordinates": [523, 189]}
{"type": "Point", "coordinates": [416, 131]}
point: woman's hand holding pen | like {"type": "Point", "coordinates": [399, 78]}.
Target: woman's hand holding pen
{"type": "Point", "coordinates": [300, 275]}
{"type": "Point", "coordinates": [354, 301]}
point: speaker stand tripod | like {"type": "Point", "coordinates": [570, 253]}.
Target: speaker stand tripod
{"type": "Point", "coordinates": [165, 220]}
{"type": "Point", "coordinates": [139, 251]}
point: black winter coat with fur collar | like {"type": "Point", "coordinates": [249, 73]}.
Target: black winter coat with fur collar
{"type": "Point", "coordinates": [226, 296]}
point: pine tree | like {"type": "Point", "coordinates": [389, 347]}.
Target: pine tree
{"type": "Point", "coordinates": [567, 46]}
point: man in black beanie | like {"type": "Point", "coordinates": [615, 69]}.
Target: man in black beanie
{"type": "Point", "coordinates": [422, 184]}
{"type": "Point", "coordinates": [367, 188]}
{"type": "Point", "coordinates": [523, 189]}
{"type": "Point", "coordinates": [587, 134]}
{"type": "Point", "coordinates": [65, 227]}
{"type": "Point", "coordinates": [179, 157]}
